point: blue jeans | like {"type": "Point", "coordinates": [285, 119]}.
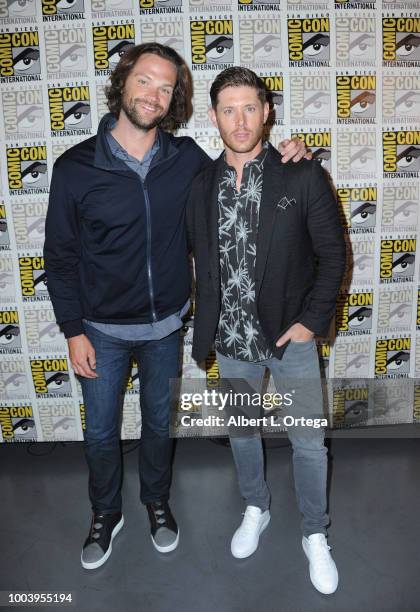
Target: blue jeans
{"type": "Point", "coordinates": [158, 361]}
{"type": "Point", "coordinates": [298, 368]}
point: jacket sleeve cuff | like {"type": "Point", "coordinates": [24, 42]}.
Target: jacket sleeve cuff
{"type": "Point", "coordinates": [313, 323]}
{"type": "Point", "coordinates": [72, 328]}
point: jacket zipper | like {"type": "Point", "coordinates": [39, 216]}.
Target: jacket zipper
{"type": "Point", "coordinates": [149, 250]}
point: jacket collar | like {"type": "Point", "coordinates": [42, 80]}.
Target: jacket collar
{"type": "Point", "coordinates": [105, 160]}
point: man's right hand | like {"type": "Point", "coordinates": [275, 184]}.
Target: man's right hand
{"type": "Point", "coordinates": [82, 356]}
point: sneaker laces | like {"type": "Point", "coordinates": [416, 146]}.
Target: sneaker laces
{"type": "Point", "coordinates": [160, 514]}
{"type": "Point", "coordinates": [320, 551]}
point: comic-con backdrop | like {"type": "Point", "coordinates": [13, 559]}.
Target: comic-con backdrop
{"type": "Point", "coordinates": [344, 77]}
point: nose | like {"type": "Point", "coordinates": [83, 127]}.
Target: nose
{"type": "Point", "coordinates": [240, 118]}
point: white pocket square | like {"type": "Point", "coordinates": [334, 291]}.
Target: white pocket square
{"type": "Point", "coordinates": [285, 202]}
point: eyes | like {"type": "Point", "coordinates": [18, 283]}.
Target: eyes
{"type": "Point", "coordinates": [76, 114]}
{"type": "Point", "coordinates": [407, 45]}
{"type": "Point", "coordinates": [31, 118]}
{"type": "Point", "coordinates": [267, 46]}
{"type": "Point", "coordinates": [316, 104]}
{"type": "Point", "coordinates": [364, 160]}
{"type": "Point", "coordinates": [316, 44]}
{"type": "Point", "coordinates": [408, 157]}
{"type": "Point", "coordinates": [218, 48]}
{"type": "Point", "coordinates": [118, 51]}
{"type": "Point", "coordinates": [23, 426]}
{"type": "Point", "coordinates": [401, 265]}
{"type": "Point", "coordinates": [363, 213]}
{"type": "Point", "coordinates": [33, 173]}
{"type": "Point", "coordinates": [74, 55]}
{"type": "Point", "coordinates": [57, 381]}
{"type": "Point", "coordinates": [407, 103]}
{"type": "Point", "coordinates": [229, 111]}
{"type": "Point", "coordinates": [8, 334]}
{"type": "Point", "coordinates": [360, 316]}
{"type": "Point", "coordinates": [66, 4]}
{"type": "Point", "coordinates": [398, 360]}
{"type": "Point", "coordinates": [361, 103]}
{"type": "Point", "coordinates": [14, 384]}
{"type": "Point", "coordinates": [26, 59]}
{"type": "Point", "coordinates": [400, 314]}
{"type": "Point", "coordinates": [362, 45]}
{"type": "Point", "coordinates": [406, 212]}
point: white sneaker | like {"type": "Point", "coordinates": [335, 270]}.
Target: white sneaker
{"type": "Point", "coordinates": [245, 539]}
{"type": "Point", "coordinates": [322, 569]}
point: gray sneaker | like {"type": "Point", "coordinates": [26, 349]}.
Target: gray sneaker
{"type": "Point", "coordinates": [163, 527]}
{"type": "Point", "coordinates": [98, 545]}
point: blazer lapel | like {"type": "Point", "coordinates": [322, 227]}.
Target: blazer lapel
{"type": "Point", "coordinates": [212, 216]}
{"type": "Point", "coordinates": [273, 189]}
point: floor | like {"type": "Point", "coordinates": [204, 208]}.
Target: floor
{"type": "Point", "coordinates": [374, 533]}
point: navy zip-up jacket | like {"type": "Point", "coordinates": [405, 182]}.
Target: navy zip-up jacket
{"type": "Point", "coordinates": [115, 248]}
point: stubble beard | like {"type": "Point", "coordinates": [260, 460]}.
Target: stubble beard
{"type": "Point", "coordinates": [134, 117]}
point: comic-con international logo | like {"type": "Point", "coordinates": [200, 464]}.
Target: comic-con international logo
{"type": "Point", "coordinates": [397, 259]}
{"type": "Point", "coordinates": [153, 7]}
{"type": "Point", "coordinates": [356, 98]}
{"type": "Point", "coordinates": [111, 8]}
{"type": "Point", "coordinates": [29, 223]}
{"type": "Point", "coordinates": [310, 98]}
{"type": "Point", "coordinates": [350, 406]}
{"type": "Point", "coordinates": [358, 208]}
{"type": "Point", "coordinates": [259, 42]}
{"type": "Point", "coordinates": [27, 169]}
{"type": "Point", "coordinates": [320, 145]}
{"type": "Point", "coordinates": [23, 113]}
{"type": "Point", "coordinates": [309, 41]}
{"type": "Point", "coordinates": [201, 99]}
{"type": "Point", "coordinates": [258, 5]}
{"type": "Point", "coordinates": [50, 377]}
{"type": "Point", "coordinates": [354, 313]}
{"type": "Point", "coordinates": [356, 154]}
{"type": "Point", "coordinates": [19, 56]}
{"type": "Point", "coordinates": [42, 332]}
{"type": "Point", "coordinates": [33, 278]}
{"type": "Point", "coordinates": [211, 44]}
{"type": "Point", "coordinates": [65, 51]}
{"type": "Point", "coordinates": [7, 282]}
{"type": "Point", "coordinates": [401, 41]}
{"type": "Point", "coordinates": [394, 309]}
{"type": "Point", "coordinates": [416, 404]}
{"type": "Point", "coordinates": [401, 153]}
{"type": "Point", "coordinates": [401, 98]}
{"type": "Point", "coordinates": [110, 42]}
{"type": "Point", "coordinates": [169, 32]}
{"type": "Point", "coordinates": [275, 86]}
{"type": "Point", "coordinates": [400, 204]}
{"type": "Point", "coordinates": [133, 381]}
{"type": "Point", "coordinates": [392, 357]}
{"type": "Point", "coordinates": [4, 230]}
{"type": "Point", "coordinates": [351, 357]}
{"type": "Point", "coordinates": [17, 423]}
{"type": "Point", "coordinates": [70, 110]}
{"type": "Point", "coordinates": [355, 40]}
{"type": "Point", "coordinates": [59, 10]}
{"type": "Point", "coordinates": [359, 260]}
{"type": "Point", "coordinates": [17, 11]}
{"type": "Point", "coordinates": [58, 420]}
{"type": "Point", "coordinates": [10, 340]}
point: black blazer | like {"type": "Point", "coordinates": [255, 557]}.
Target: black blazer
{"type": "Point", "coordinates": [300, 251]}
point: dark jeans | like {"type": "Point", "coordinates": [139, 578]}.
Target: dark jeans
{"type": "Point", "coordinates": [158, 361]}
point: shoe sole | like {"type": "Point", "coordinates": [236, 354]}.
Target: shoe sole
{"type": "Point", "coordinates": [101, 561]}
{"type": "Point", "coordinates": [244, 556]}
{"type": "Point", "coordinates": [166, 549]}
{"type": "Point", "coordinates": [316, 585]}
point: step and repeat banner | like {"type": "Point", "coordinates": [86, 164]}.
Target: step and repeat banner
{"type": "Point", "coordinates": [344, 77]}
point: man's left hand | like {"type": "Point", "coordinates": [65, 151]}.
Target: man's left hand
{"type": "Point", "coordinates": [293, 149]}
{"type": "Point", "coordinates": [296, 333]}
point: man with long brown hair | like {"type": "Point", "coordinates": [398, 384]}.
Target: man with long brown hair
{"type": "Point", "coordinates": [119, 279]}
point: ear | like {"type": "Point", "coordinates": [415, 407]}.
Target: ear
{"type": "Point", "coordinates": [266, 111]}
{"type": "Point", "coordinates": [212, 116]}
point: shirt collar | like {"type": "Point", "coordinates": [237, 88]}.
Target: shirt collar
{"type": "Point", "coordinates": [118, 151]}
{"type": "Point", "coordinates": [258, 160]}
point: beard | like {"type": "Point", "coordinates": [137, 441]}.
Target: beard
{"type": "Point", "coordinates": [129, 108]}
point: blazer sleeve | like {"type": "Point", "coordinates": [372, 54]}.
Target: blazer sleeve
{"type": "Point", "coordinates": [62, 251]}
{"type": "Point", "coordinates": [327, 235]}
{"type": "Point", "coordinates": [190, 212]}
